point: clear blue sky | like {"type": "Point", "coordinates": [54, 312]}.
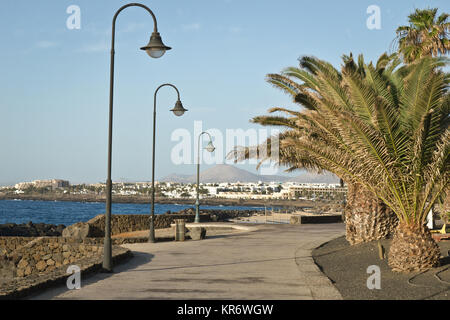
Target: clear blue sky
{"type": "Point", "coordinates": [54, 82]}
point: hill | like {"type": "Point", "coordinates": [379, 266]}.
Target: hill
{"type": "Point", "coordinates": [232, 174]}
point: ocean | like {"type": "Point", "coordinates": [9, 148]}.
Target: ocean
{"type": "Point", "coordinates": [68, 213]}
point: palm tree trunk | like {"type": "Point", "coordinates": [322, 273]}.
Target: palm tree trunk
{"type": "Point", "coordinates": [413, 249]}
{"type": "Point", "coordinates": [366, 217]}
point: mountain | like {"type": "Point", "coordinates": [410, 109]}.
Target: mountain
{"type": "Point", "coordinates": [228, 173]}
{"type": "Point", "coordinates": [307, 177]}
{"type": "Point", "coordinates": [222, 173]}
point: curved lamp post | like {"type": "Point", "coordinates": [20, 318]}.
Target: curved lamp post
{"type": "Point", "coordinates": [210, 148]}
{"type": "Point", "coordinates": [155, 49]}
{"type": "Point", "coordinates": [178, 110]}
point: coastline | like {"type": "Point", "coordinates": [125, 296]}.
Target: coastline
{"type": "Point", "coordinates": [147, 199]}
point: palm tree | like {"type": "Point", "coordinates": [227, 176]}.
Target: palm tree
{"type": "Point", "coordinates": [367, 217]}
{"type": "Point", "coordinates": [426, 35]}
{"type": "Point", "coordinates": [389, 132]}
{"type": "Point", "coordinates": [386, 129]}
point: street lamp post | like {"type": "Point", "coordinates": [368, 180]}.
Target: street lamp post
{"type": "Point", "coordinates": [210, 148]}
{"type": "Point", "coordinates": [155, 49]}
{"type": "Point", "coordinates": [179, 110]}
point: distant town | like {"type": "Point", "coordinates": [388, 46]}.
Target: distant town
{"type": "Point", "coordinates": [175, 190]}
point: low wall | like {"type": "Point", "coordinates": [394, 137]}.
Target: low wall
{"type": "Point", "coordinates": [121, 223]}
{"type": "Point", "coordinates": [316, 219]}
{"type": "Point", "coordinates": [225, 215]}
{"type": "Point", "coordinates": [45, 254]}
{"type": "Point", "coordinates": [10, 244]}
{"type": "Point", "coordinates": [36, 263]}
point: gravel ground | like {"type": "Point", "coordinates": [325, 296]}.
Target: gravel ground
{"type": "Point", "coordinates": [346, 266]}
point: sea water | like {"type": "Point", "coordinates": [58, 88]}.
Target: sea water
{"type": "Point", "coordinates": [67, 213]}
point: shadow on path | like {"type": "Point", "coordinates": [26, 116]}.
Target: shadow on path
{"type": "Point", "coordinates": [137, 259]}
{"type": "Point", "coordinates": [215, 265]}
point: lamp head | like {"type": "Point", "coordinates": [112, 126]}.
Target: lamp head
{"type": "Point", "coordinates": [179, 110]}
{"type": "Point", "coordinates": [156, 48]}
{"type": "Point", "coordinates": [210, 147]}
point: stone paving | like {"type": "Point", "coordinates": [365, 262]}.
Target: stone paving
{"type": "Point", "coordinates": [273, 262]}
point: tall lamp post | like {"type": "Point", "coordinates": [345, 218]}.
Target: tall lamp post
{"type": "Point", "coordinates": [155, 49]}
{"type": "Point", "coordinates": [178, 110]}
{"type": "Point", "coordinates": [210, 148]}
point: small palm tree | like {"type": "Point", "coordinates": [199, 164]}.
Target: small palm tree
{"type": "Point", "coordinates": [426, 35]}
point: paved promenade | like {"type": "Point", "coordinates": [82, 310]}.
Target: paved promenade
{"type": "Point", "coordinates": [272, 263]}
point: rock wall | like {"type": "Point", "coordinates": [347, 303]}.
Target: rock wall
{"type": "Point", "coordinates": [225, 215]}
{"type": "Point", "coordinates": [44, 254]}
{"type": "Point", "coordinates": [10, 244]}
{"type": "Point", "coordinates": [86, 255]}
{"type": "Point", "coordinates": [121, 223]}
{"type": "Point", "coordinates": [137, 222]}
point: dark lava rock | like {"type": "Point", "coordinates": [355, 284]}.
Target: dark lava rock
{"type": "Point", "coordinates": [30, 230]}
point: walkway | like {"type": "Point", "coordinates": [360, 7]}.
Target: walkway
{"type": "Point", "coordinates": [272, 263]}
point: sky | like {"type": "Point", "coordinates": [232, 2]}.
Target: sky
{"type": "Point", "coordinates": [54, 80]}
